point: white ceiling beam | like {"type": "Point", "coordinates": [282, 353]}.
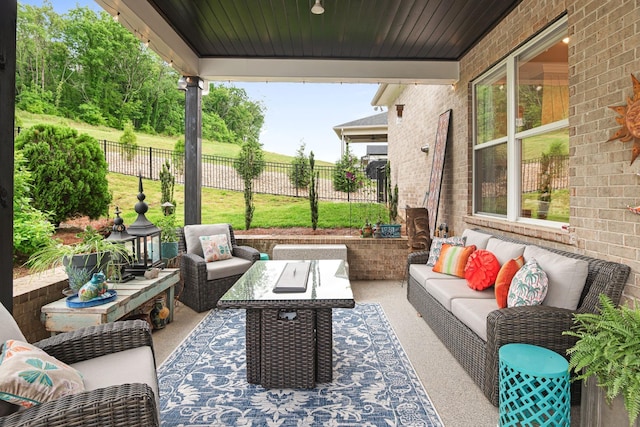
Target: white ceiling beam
{"type": "Point", "coordinates": [330, 71]}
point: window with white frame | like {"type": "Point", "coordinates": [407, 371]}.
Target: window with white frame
{"type": "Point", "coordinates": [521, 133]}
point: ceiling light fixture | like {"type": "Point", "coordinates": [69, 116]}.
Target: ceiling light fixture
{"type": "Point", "coordinates": [317, 8]}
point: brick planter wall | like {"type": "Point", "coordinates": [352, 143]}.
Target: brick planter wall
{"type": "Point", "coordinates": [369, 259]}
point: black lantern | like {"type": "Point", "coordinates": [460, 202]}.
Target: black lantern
{"type": "Point", "coordinates": [148, 251]}
{"type": "Point", "coordinates": [119, 235]}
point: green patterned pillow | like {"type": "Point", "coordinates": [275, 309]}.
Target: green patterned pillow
{"type": "Point", "coordinates": [436, 247]}
{"type": "Point", "coordinates": [529, 286]}
{"type": "Point", "coordinates": [29, 376]}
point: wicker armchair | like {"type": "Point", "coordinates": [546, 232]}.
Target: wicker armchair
{"type": "Point", "coordinates": [206, 282]}
{"type": "Point", "coordinates": [133, 404]}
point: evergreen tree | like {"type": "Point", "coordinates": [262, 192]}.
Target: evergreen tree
{"type": "Point", "coordinates": [313, 194]}
{"type": "Point", "coordinates": [250, 164]}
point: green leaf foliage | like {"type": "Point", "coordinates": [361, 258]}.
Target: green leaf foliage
{"type": "Point", "coordinates": [608, 348]}
{"type": "Point", "coordinates": [31, 227]}
{"type": "Point", "coordinates": [348, 175]}
{"type": "Point", "coordinates": [300, 174]}
{"type": "Point", "coordinates": [69, 171]}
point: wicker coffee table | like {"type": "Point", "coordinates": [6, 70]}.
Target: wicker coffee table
{"type": "Point", "coordinates": [289, 337]}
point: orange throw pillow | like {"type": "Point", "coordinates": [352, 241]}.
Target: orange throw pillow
{"type": "Point", "coordinates": [481, 270]}
{"type": "Point", "coordinates": [453, 259]}
{"type": "Point", "coordinates": [504, 278]}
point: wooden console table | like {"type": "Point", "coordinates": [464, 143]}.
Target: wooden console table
{"type": "Point", "coordinates": [57, 317]}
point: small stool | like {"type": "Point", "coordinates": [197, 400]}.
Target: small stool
{"type": "Point", "coordinates": [534, 387]}
{"type": "Point", "coordinates": [264, 257]}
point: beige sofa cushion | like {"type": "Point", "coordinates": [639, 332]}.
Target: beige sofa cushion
{"type": "Point", "coordinates": [504, 251]}
{"type": "Point", "coordinates": [422, 272]}
{"type": "Point", "coordinates": [567, 276]}
{"type": "Point", "coordinates": [447, 290]}
{"type": "Point", "coordinates": [473, 312]}
{"type": "Point", "coordinates": [227, 267]}
{"type": "Point", "coordinates": [476, 238]}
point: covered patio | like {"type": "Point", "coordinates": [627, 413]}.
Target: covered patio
{"type": "Point", "coordinates": [426, 56]}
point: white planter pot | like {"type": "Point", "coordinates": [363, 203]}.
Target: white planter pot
{"type": "Point", "coordinates": [595, 412]}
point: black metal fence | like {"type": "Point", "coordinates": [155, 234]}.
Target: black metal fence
{"type": "Point", "coordinates": [219, 172]}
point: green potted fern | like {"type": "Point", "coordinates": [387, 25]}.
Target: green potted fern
{"type": "Point", "coordinates": [80, 260]}
{"type": "Point", "coordinates": [607, 358]}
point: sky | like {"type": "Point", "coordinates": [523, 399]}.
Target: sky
{"type": "Point", "coordinates": [296, 113]}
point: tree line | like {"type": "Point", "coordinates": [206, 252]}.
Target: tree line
{"type": "Point", "coordinates": [85, 66]}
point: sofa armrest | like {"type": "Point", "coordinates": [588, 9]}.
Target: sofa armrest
{"type": "Point", "coordinates": [538, 325]}
{"type": "Point", "coordinates": [246, 252]}
{"type": "Point", "coordinates": [95, 341]}
{"type": "Point", "coordinates": [127, 404]}
{"type": "Point", "coordinates": [419, 257]}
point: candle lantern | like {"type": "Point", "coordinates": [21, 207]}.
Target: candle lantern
{"type": "Point", "coordinates": [148, 251]}
{"type": "Point", "coordinates": [119, 235]}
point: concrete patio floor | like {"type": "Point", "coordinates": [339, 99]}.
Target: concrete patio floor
{"type": "Point", "coordinates": [455, 396]}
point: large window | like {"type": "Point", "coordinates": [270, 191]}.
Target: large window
{"type": "Point", "coordinates": [521, 137]}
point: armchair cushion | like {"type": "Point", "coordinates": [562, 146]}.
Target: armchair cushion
{"type": "Point", "coordinates": [193, 232]}
{"type": "Point", "coordinates": [10, 329]}
{"type": "Point", "coordinates": [135, 365]}
{"type": "Point", "coordinates": [227, 267]}
{"type": "Point", "coordinates": [29, 376]}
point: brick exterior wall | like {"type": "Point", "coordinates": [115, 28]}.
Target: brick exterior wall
{"type": "Point", "coordinates": [603, 52]}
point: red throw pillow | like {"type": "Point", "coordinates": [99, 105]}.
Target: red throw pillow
{"type": "Point", "coordinates": [505, 276]}
{"type": "Point", "coordinates": [453, 259]}
{"type": "Point", "coordinates": [481, 270]}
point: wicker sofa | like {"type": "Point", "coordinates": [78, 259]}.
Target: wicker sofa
{"type": "Point", "coordinates": [204, 283]}
{"type": "Point", "coordinates": [539, 325]}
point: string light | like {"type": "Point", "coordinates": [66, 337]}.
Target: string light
{"type": "Point", "coordinates": [116, 17]}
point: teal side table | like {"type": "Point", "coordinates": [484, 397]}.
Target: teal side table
{"type": "Point", "coordinates": [534, 387]}
{"type": "Point", "coordinates": [264, 257]}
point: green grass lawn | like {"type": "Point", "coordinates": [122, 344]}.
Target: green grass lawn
{"type": "Point", "coordinates": [145, 140]}
{"type": "Point", "coordinates": [228, 206]}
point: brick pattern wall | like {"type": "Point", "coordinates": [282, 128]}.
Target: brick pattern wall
{"type": "Point", "coordinates": [602, 54]}
{"type": "Point", "coordinates": [29, 295]}
{"type": "Point", "coordinates": [369, 259]}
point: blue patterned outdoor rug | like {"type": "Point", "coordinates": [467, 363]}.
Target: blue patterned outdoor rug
{"type": "Point", "coordinates": [203, 382]}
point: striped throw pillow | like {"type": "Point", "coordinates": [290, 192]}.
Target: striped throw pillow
{"type": "Point", "coordinates": [453, 259]}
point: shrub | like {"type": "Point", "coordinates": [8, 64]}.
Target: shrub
{"type": "Point", "coordinates": [128, 143]}
{"type": "Point", "coordinates": [299, 174]}
{"type": "Point", "coordinates": [31, 227]}
{"type": "Point", "coordinates": [167, 184]}
{"type": "Point", "coordinates": [178, 156]}
{"type": "Point", "coordinates": [90, 113]}
{"type": "Point", "coordinates": [347, 174]}
{"type": "Point", "coordinates": [69, 171]}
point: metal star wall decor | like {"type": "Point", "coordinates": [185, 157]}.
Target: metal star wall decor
{"type": "Point", "coordinates": [629, 120]}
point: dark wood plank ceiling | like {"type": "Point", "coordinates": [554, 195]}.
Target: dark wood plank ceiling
{"type": "Point", "coordinates": [349, 29]}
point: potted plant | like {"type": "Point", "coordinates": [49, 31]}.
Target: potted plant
{"type": "Point", "coordinates": [607, 358]}
{"type": "Point", "coordinates": [80, 260]}
{"type": "Point", "coordinates": [168, 236]}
